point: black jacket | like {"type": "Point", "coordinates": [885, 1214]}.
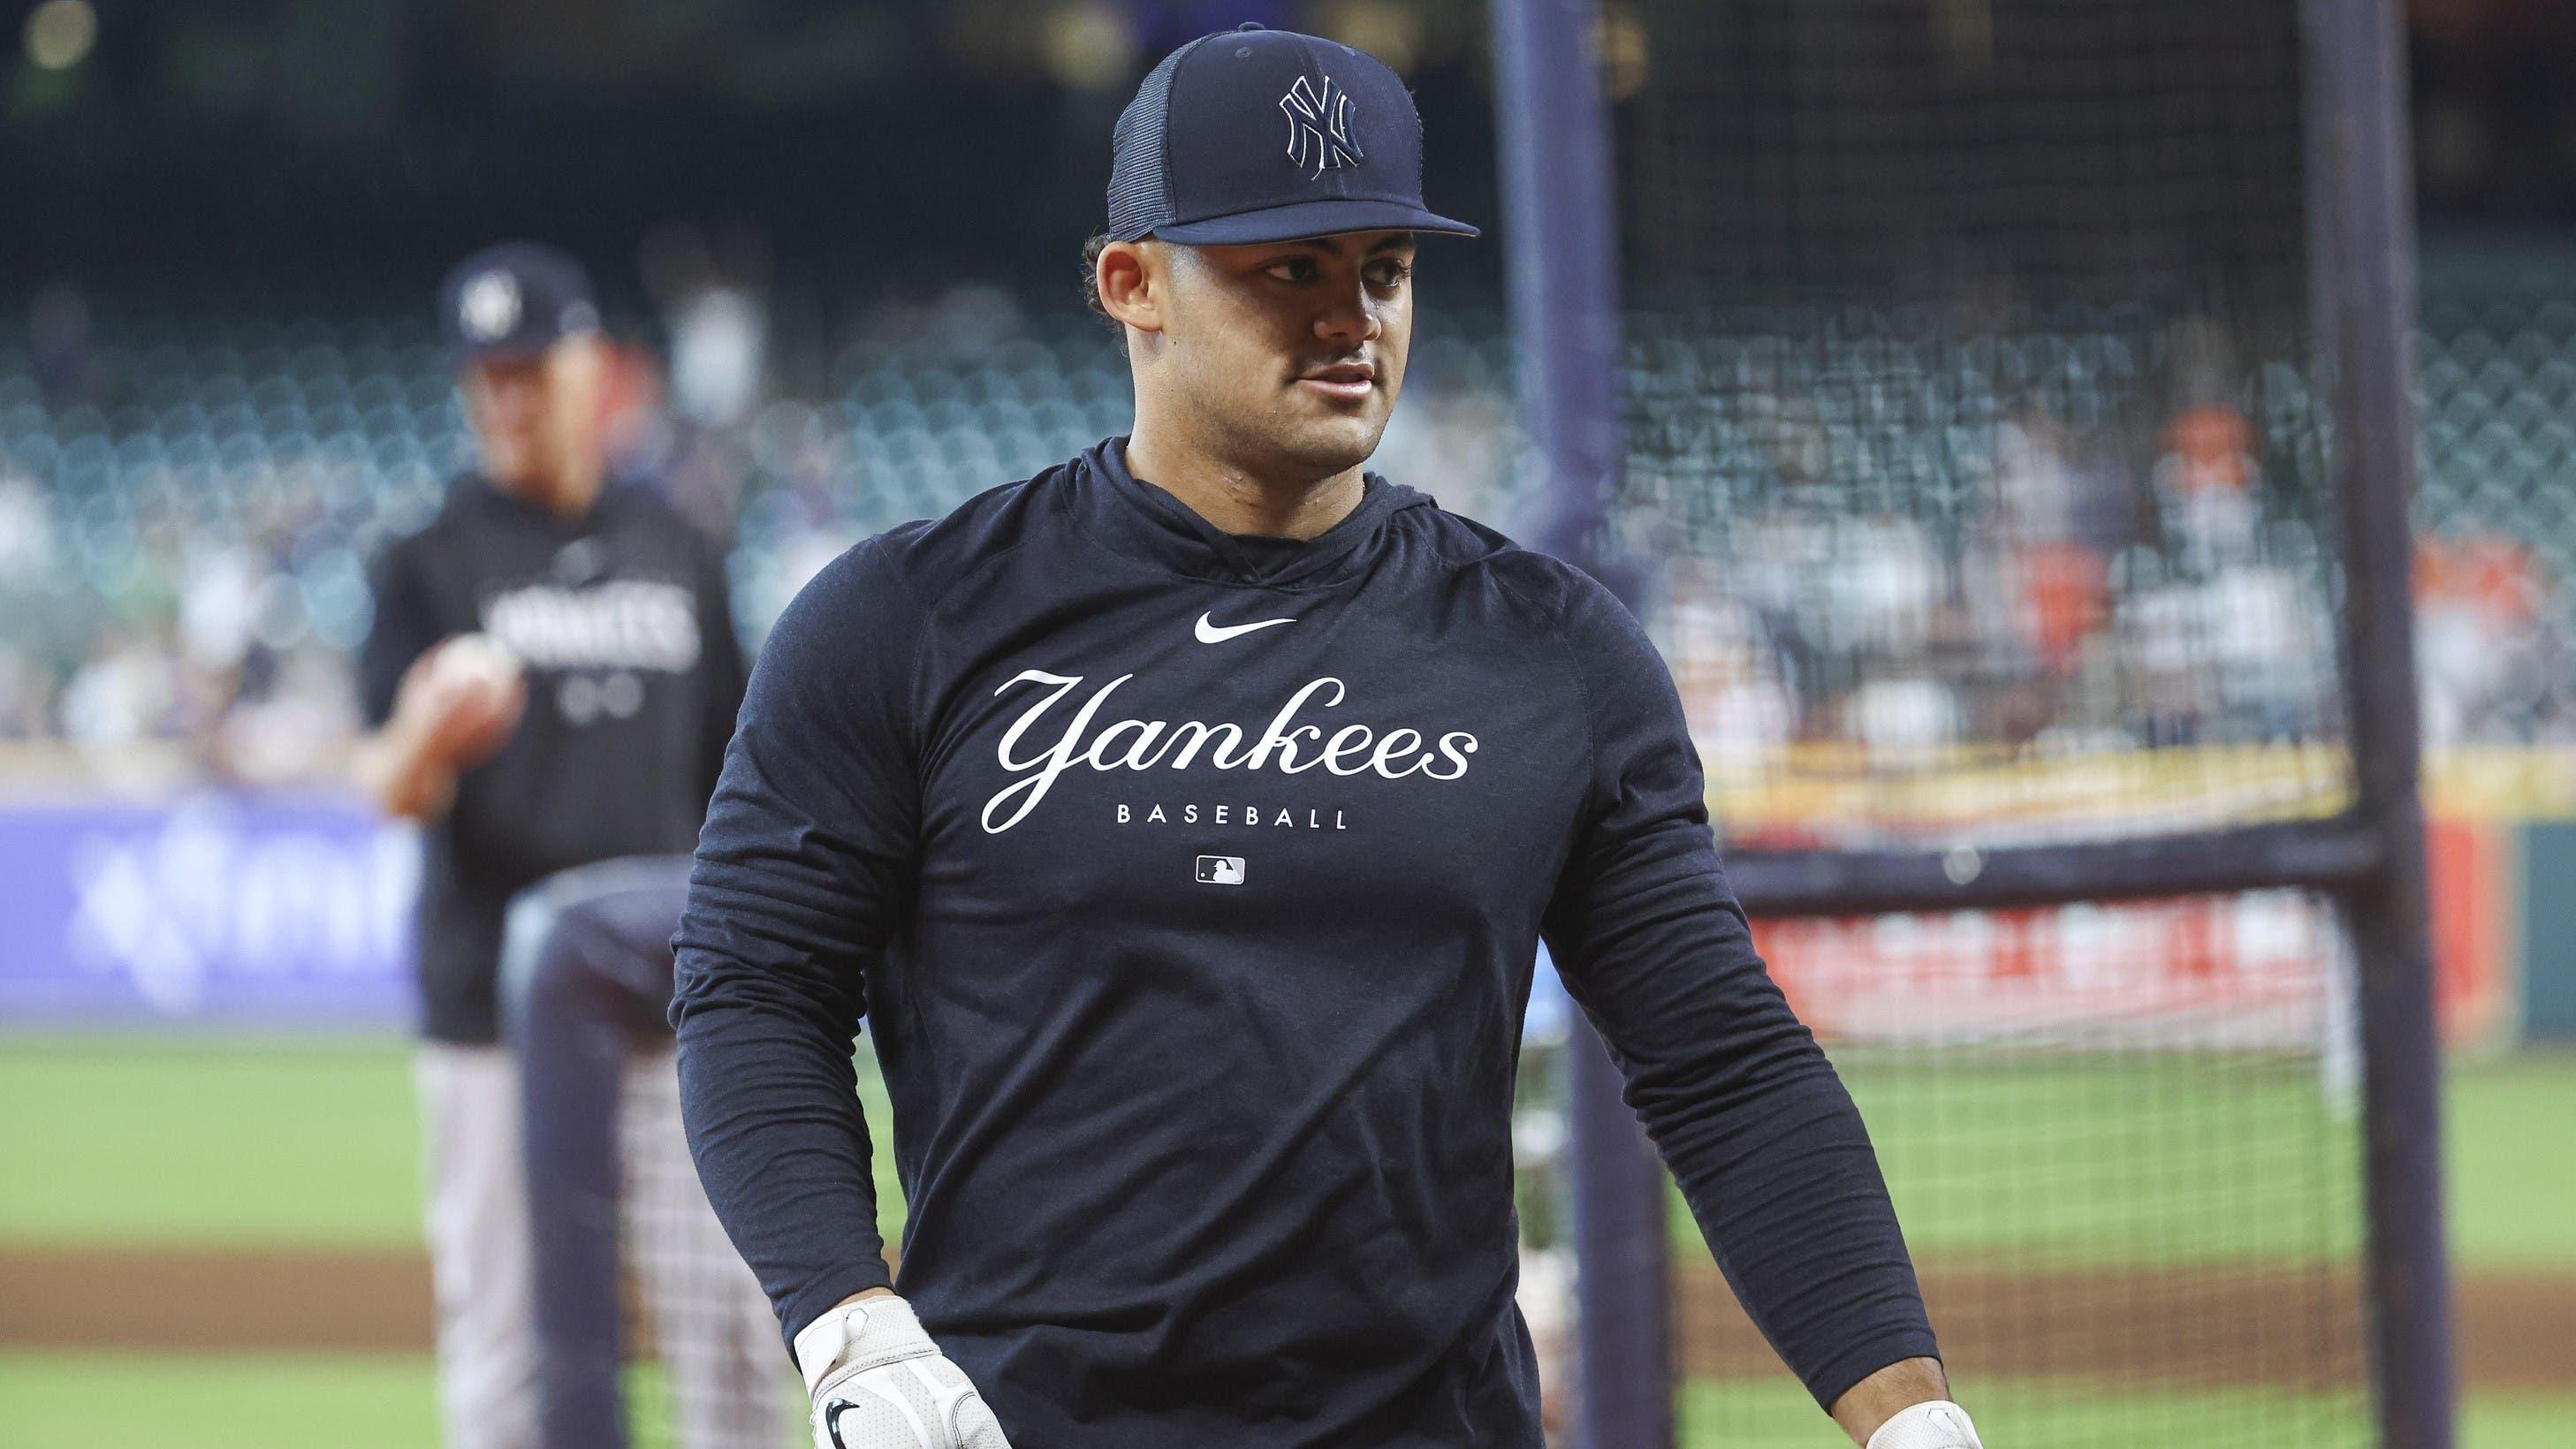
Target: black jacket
{"type": "Point", "coordinates": [634, 676]}
{"type": "Point", "coordinates": [1191, 885]}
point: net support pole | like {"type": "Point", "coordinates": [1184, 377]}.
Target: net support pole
{"type": "Point", "coordinates": [1561, 232]}
{"type": "Point", "coordinates": [2365, 238]}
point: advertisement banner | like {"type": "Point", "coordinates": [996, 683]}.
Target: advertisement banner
{"type": "Point", "coordinates": [209, 909]}
{"type": "Point", "coordinates": [2266, 969]}
{"type": "Point", "coordinates": [272, 911]}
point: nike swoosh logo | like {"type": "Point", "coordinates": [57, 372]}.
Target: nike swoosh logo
{"type": "Point", "coordinates": [1210, 633]}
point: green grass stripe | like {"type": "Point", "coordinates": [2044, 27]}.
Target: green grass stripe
{"type": "Point", "coordinates": [2081, 1161]}
{"type": "Point", "coordinates": [214, 1141]}
{"type": "Point", "coordinates": [216, 1401]}
{"type": "Point", "coordinates": [207, 1141]}
{"type": "Point", "coordinates": [2509, 1139]}
{"type": "Point", "coordinates": [2139, 1161]}
{"type": "Point", "coordinates": [318, 1401]}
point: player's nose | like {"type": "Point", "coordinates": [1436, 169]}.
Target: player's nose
{"type": "Point", "coordinates": [1349, 318]}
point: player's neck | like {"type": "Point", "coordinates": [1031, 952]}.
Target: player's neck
{"type": "Point", "coordinates": [1235, 497]}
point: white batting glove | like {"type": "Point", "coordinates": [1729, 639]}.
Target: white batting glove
{"type": "Point", "coordinates": [1939, 1424]}
{"type": "Point", "coordinates": [878, 1382]}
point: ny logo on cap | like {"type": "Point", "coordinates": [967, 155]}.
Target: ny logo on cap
{"type": "Point", "coordinates": [489, 306]}
{"type": "Point", "coordinates": [1319, 127]}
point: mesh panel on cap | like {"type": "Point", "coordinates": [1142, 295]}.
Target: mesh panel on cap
{"type": "Point", "coordinates": [1138, 200]}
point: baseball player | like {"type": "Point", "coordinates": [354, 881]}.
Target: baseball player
{"type": "Point", "coordinates": [1185, 820]}
{"type": "Point", "coordinates": [551, 675]}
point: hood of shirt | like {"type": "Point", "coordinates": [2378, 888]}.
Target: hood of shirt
{"type": "Point", "coordinates": [1133, 517]}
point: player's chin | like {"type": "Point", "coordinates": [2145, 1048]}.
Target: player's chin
{"type": "Point", "coordinates": [1330, 445]}
{"type": "Point", "coordinates": [1342, 423]}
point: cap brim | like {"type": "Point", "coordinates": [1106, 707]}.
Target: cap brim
{"type": "Point", "coordinates": [505, 348]}
{"type": "Point", "coordinates": [1310, 219]}
{"type": "Point", "coordinates": [516, 346]}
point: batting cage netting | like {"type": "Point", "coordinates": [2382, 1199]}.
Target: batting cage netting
{"type": "Point", "coordinates": [1975, 433]}
{"type": "Point", "coordinates": [708, 1371]}
{"type": "Point", "coordinates": [1980, 487]}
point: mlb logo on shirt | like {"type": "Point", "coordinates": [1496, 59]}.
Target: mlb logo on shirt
{"type": "Point", "coordinates": [1220, 870]}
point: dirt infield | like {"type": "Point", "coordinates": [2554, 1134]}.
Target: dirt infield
{"type": "Point", "coordinates": [2242, 1327]}
{"type": "Point", "coordinates": [200, 1299]}
{"type": "Point", "coordinates": [2185, 1327]}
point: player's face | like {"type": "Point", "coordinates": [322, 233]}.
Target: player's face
{"type": "Point", "coordinates": [537, 415]}
{"type": "Point", "coordinates": [1294, 351]}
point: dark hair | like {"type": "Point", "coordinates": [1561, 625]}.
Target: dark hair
{"type": "Point", "coordinates": [1092, 247]}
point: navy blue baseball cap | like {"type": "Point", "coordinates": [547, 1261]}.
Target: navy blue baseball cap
{"type": "Point", "coordinates": [515, 299]}
{"type": "Point", "coordinates": [1256, 135]}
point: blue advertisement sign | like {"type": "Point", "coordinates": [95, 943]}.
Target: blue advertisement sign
{"type": "Point", "coordinates": [212, 909]}
{"type": "Point", "coordinates": [240, 911]}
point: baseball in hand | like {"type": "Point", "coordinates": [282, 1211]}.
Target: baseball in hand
{"type": "Point", "coordinates": [477, 663]}
{"type": "Point", "coordinates": [476, 688]}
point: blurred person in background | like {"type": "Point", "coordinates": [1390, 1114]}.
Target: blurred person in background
{"type": "Point", "coordinates": [2227, 635]}
{"type": "Point", "coordinates": [2480, 644]}
{"type": "Point", "coordinates": [1741, 712]}
{"type": "Point", "coordinates": [550, 678]}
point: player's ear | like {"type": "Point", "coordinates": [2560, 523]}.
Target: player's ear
{"type": "Point", "coordinates": [1134, 279]}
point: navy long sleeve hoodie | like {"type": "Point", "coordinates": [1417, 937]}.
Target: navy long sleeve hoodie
{"type": "Point", "coordinates": [1190, 884]}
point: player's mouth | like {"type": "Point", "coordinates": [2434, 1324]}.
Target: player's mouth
{"type": "Point", "coordinates": [1342, 381]}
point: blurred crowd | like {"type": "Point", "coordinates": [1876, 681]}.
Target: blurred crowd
{"type": "Point", "coordinates": [2075, 540]}
{"type": "Point", "coordinates": [188, 500]}
{"type": "Point", "coordinates": [2089, 590]}
{"type": "Point", "coordinates": [1897, 549]}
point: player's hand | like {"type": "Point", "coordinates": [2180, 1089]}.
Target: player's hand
{"type": "Point", "coordinates": [463, 699]}
{"type": "Point", "coordinates": [878, 1382]}
{"type": "Point", "coordinates": [1936, 1425]}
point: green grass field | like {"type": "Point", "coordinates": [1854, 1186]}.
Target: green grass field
{"type": "Point", "coordinates": [279, 1141]}
{"type": "Point", "coordinates": [302, 1143]}
{"type": "Point", "coordinates": [274, 1142]}
{"type": "Point", "coordinates": [69, 1401]}
{"type": "Point", "coordinates": [75, 1401]}
{"type": "Point", "coordinates": [2186, 1159]}
{"type": "Point", "coordinates": [2510, 1155]}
